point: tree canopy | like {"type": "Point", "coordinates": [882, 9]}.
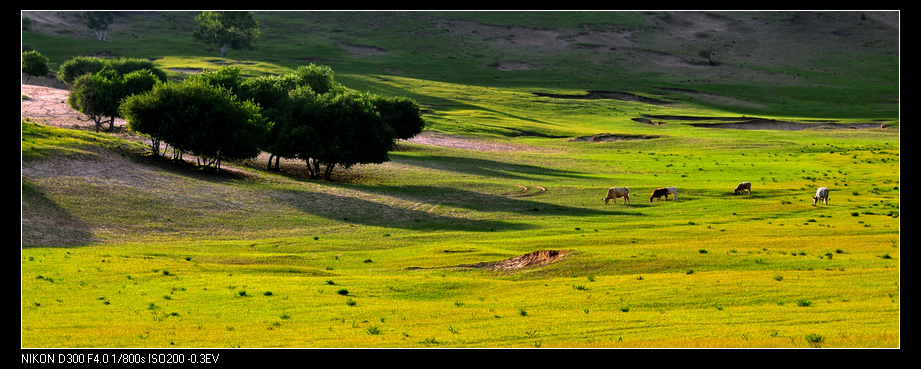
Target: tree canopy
{"type": "Point", "coordinates": [98, 22]}
{"type": "Point", "coordinates": [99, 95]}
{"type": "Point", "coordinates": [198, 118]}
{"type": "Point", "coordinates": [34, 64]}
{"type": "Point", "coordinates": [78, 66]}
{"type": "Point", "coordinates": [227, 30]}
{"type": "Point", "coordinates": [304, 114]}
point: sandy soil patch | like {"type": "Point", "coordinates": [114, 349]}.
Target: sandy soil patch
{"type": "Point", "coordinates": [459, 142]}
{"type": "Point", "coordinates": [534, 259]}
{"type": "Point", "coordinates": [48, 106]}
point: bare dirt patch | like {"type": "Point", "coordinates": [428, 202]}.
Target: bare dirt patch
{"type": "Point", "coordinates": [535, 259]}
{"type": "Point", "coordinates": [608, 137]}
{"type": "Point", "coordinates": [611, 95]}
{"type": "Point", "coordinates": [459, 142]}
{"type": "Point", "coordinates": [756, 123]}
{"type": "Point", "coordinates": [48, 106]}
{"type": "Point", "coordinates": [770, 124]}
{"type": "Point", "coordinates": [361, 50]}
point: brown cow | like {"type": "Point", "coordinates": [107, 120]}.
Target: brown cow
{"type": "Point", "coordinates": [744, 186]}
{"type": "Point", "coordinates": [658, 194]}
{"type": "Point", "coordinates": [615, 192]}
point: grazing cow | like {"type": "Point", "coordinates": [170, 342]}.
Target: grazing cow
{"type": "Point", "coordinates": [615, 192]}
{"type": "Point", "coordinates": [658, 193]}
{"type": "Point", "coordinates": [672, 191]}
{"type": "Point", "coordinates": [744, 186]}
{"type": "Point", "coordinates": [820, 195]}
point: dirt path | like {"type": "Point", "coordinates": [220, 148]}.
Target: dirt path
{"type": "Point", "coordinates": [48, 106]}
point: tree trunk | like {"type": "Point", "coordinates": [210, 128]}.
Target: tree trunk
{"type": "Point", "coordinates": [329, 171]}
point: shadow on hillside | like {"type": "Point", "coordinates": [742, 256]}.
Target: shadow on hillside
{"type": "Point", "coordinates": [486, 168]}
{"type": "Point", "coordinates": [45, 224]}
{"type": "Point", "coordinates": [429, 208]}
{"type": "Point", "coordinates": [356, 210]}
{"type": "Point", "coordinates": [490, 203]}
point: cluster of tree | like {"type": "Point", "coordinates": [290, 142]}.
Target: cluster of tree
{"type": "Point", "coordinates": [304, 115]}
{"type": "Point", "coordinates": [99, 86]}
{"type": "Point", "coordinates": [218, 116]}
{"type": "Point", "coordinates": [80, 66]}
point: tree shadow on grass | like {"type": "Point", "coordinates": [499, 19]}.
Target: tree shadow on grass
{"type": "Point", "coordinates": [49, 225]}
{"type": "Point", "coordinates": [358, 210]}
{"type": "Point", "coordinates": [489, 203]}
{"type": "Point", "coordinates": [486, 168]}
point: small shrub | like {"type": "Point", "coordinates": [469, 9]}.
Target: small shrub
{"type": "Point", "coordinates": [343, 292]}
{"type": "Point", "coordinates": [813, 338]}
{"type": "Point", "coordinates": [803, 302]}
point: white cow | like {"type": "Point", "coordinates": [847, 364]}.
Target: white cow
{"type": "Point", "coordinates": [744, 186]}
{"type": "Point", "coordinates": [672, 191]}
{"type": "Point", "coordinates": [820, 195]}
{"type": "Point", "coordinates": [615, 192]}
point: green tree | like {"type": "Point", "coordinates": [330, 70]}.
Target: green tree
{"type": "Point", "coordinates": [98, 22]}
{"type": "Point", "coordinates": [227, 30]}
{"type": "Point", "coordinates": [401, 113]}
{"type": "Point", "coordinates": [96, 96]}
{"type": "Point", "coordinates": [99, 95]}
{"type": "Point", "coordinates": [271, 93]}
{"type": "Point", "coordinates": [333, 130]}
{"type": "Point", "coordinates": [227, 78]}
{"type": "Point", "coordinates": [198, 118]}
{"type": "Point", "coordinates": [34, 64]}
{"type": "Point", "coordinates": [78, 66]}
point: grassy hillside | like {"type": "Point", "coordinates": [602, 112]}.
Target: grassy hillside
{"type": "Point", "coordinates": [430, 249]}
{"type": "Point", "coordinates": [817, 64]}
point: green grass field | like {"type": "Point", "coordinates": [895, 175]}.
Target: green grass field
{"type": "Point", "coordinates": [158, 254]}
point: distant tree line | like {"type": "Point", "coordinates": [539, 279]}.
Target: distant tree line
{"type": "Point", "coordinates": [218, 116]}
